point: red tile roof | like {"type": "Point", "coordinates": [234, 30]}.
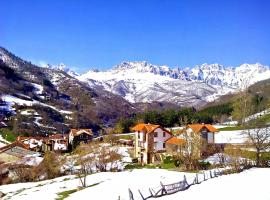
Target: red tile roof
{"type": "Point", "coordinates": [58, 136]}
{"type": "Point", "coordinates": [198, 127]}
{"type": "Point", "coordinates": [176, 141]}
{"type": "Point", "coordinates": [148, 128]}
{"type": "Point", "coordinates": [22, 138]}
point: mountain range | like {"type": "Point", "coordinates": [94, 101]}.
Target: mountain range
{"type": "Point", "coordinates": [144, 82]}
{"type": "Point", "coordinates": [55, 97]}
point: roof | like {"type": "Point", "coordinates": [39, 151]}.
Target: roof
{"type": "Point", "coordinates": [148, 128]}
{"type": "Point", "coordinates": [58, 136]}
{"type": "Point", "coordinates": [22, 138]}
{"type": "Point", "coordinates": [175, 141]}
{"type": "Point", "coordinates": [14, 144]}
{"type": "Point", "coordinates": [76, 132]}
{"type": "Point", "coordinates": [198, 127]}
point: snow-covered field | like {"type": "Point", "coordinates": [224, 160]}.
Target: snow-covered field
{"type": "Point", "coordinates": [250, 184]}
{"type": "Point", "coordinates": [230, 137]}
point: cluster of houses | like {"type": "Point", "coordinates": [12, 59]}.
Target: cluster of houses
{"type": "Point", "coordinates": [150, 141]}
{"type": "Point", "coordinates": [57, 142]}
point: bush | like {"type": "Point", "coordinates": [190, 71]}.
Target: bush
{"type": "Point", "coordinates": [135, 160]}
{"type": "Point", "coordinates": [24, 173]}
{"type": "Point", "coordinates": [50, 166]}
{"type": "Point", "coordinates": [134, 166]}
{"type": "Point", "coordinates": [168, 160]}
{"type": "Point", "coordinates": [203, 165]}
{"type": "Point", "coordinates": [177, 162]}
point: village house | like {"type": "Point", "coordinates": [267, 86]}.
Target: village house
{"type": "Point", "coordinates": [56, 142]}
{"type": "Point", "coordinates": [33, 143]}
{"type": "Point", "coordinates": [78, 136]}
{"type": "Point", "coordinates": [204, 133]}
{"type": "Point", "coordinates": [15, 151]}
{"type": "Point", "coordinates": [150, 142]}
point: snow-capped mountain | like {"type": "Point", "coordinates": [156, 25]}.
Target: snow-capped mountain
{"type": "Point", "coordinates": [61, 67]}
{"type": "Point", "coordinates": [145, 82]}
{"type": "Point", "coordinates": [218, 75]}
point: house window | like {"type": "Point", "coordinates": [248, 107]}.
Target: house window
{"type": "Point", "coordinates": [164, 145]}
{"type": "Point", "coordinates": [155, 145]}
{"type": "Point", "coordinates": [138, 135]}
{"type": "Point", "coordinates": [164, 134]}
{"type": "Point", "coordinates": [155, 134]}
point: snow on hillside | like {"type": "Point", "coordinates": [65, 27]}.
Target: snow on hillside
{"type": "Point", "coordinates": [230, 137]}
{"type": "Point", "coordinates": [12, 100]}
{"type": "Point", "coordinates": [237, 136]}
{"type": "Point", "coordinates": [144, 82]}
{"type": "Point", "coordinates": [250, 184]}
{"type": "Point", "coordinates": [39, 88]}
{"type": "Point", "coordinates": [257, 115]}
{"type": "Point", "coordinates": [60, 67]}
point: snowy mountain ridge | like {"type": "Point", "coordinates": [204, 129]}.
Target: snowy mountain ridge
{"type": "Point", "coordinates": [144, 82]}
{"type": "Point", "coordinates": [61, 67]}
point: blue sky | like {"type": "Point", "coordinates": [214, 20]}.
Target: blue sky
{"type": "Point", "coordinates": [99, 34]}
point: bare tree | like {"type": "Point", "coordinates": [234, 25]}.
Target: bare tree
{"type": "Point", "coordinates": [86, 159]}
{"type": "Point", "coordinates": [114, 158]}
{"type": "Point", "coordinates": [111, 138]}
{"type": "Point", "coordinates": [24, 173]}
{"type": "Point", "coordinates": [95, 156]}
{"type": "Point", "coordinates": [50, 167]}
{"type": "Point", "coordinates": [242, 106]}
{"type": "Point", "coordinates": [192, 150]}
{"type": "Point", "coordinates": [258, 136]}
{"type": "Point", "coordinates": [235, 156]}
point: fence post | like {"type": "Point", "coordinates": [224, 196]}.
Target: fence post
{"type": "Point", "coordinates": [130, 194]}
{"type": "Point", "coordinates": [204, 176]}
{"type": "Point", "coordinates": [197, 178]}
{"type": "Point", "coordinates": [141, 195]}
{"type": "Point", "coordinates": [163, 188]}
{"type": "Point", "coordinates": [185, 180]}
{"type": "Point", "coordinates": [151, 192]}
{"type": "Point", "coordinates": [210, 174]}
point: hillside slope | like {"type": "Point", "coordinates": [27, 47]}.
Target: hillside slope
{"type": "Point", "coordinates": [54, 97]}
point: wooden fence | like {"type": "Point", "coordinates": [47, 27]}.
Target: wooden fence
{"type": "Point", "coordinates": [178, 186]}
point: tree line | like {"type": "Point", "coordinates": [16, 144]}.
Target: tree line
{"type": "Point", "coordinates": [176, 117]}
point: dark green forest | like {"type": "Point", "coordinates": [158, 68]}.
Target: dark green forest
{"type": "Point", "coordinates": [177, 117]}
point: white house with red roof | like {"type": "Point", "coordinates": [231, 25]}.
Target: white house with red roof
{"type": "Point", "coordinates": [150, 141]}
